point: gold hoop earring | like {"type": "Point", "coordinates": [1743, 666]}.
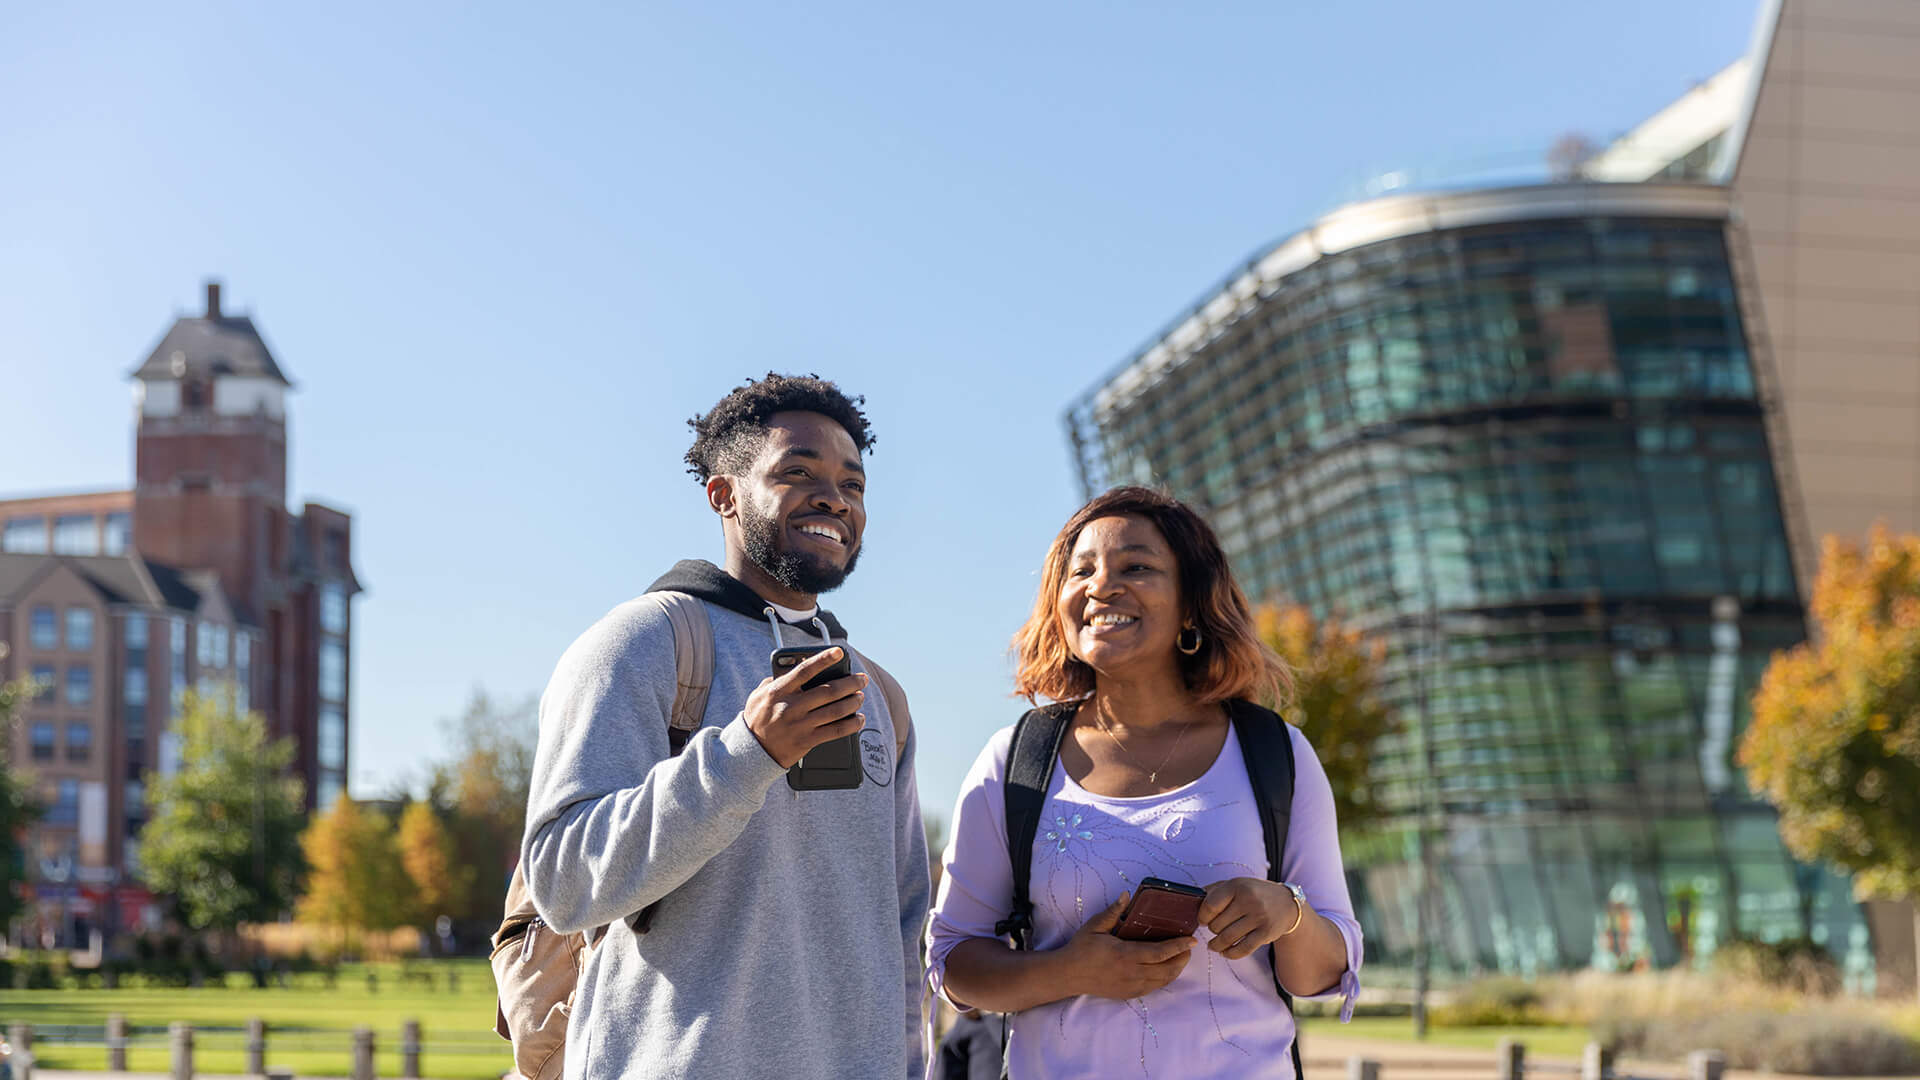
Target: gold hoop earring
{"type": "Point", "coordinates": [1180, 642]}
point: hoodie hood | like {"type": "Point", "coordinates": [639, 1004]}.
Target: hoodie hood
{"type": "Point", "coordinates": [700, 578]}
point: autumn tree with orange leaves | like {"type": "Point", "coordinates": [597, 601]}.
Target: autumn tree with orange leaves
{"type": "Point", "coordinates": [1336, 671]}
{"type": "Point", "coordinates": [1835, 740]}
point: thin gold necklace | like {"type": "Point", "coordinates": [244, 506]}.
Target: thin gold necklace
{"type": "Point", "coordinates": [1153, 775]}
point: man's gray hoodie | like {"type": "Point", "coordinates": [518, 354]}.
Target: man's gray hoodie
{"type": "Point", "coordinates": [786, 943]}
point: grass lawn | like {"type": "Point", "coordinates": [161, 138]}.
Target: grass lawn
{"type": "Point", "coordinates": [309, 1027]}
{"type": "Point", "coordinates": [1551, 1040]}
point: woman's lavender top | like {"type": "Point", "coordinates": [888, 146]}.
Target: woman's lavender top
{"type": "Point", "coordinates": [1220, 1018]}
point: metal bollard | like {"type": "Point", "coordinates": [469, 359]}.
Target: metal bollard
{"type": "Point", "coordinates": [256, 1047]}
{"type": "Point", "coordinates": [1706, 1065]}
{"type": "Point", "coordinates": [21, 1036]}
{"type": "Point", "coordinates": [453, 981]}
{"type": "Point", "coordinates": [116, 1043]}
{"type": "Point", "coordinates": [1596, 1062]}
{"type": "Point", "coordinates": [363, 1053]}
{"type": "Point", "coordinates": [180, 1039]}
{"type": "Point", "coordinates": [410, 1050]}
{"type": "Point", "coordinates": [1512, 1062]}
{"type": "Point", "coordinates": [1359, 1068]}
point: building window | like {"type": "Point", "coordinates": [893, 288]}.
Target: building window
{"type": "Point", "coordinates": [79, 629]}
{"type": "Point", "coordinates": [176, 662]}
{"type": "Point", "coordinates": [46, 682]}
{"type": "Point", "coordinates": [25, 536]}
{"type": "Point", "coordinates": [45, 630]}
{"type": "Point", "coordinates": [333, 608]}
{"type": "Point", "coordinates": [76, 534]}
{"type": "Point", "coordinates": [333, 671]}
{"type": "Point", "coordinates": [66, 803]}
{"type": "Point", "coordinates": [332, 732]}
{"type": "Point", "coordinates": [79, 684]}
{"type": "Point", "coordinates": [135, 803]}
{"type": "Point", "coordinates": [119, 534]}
{"type": "Point", "coordinates": [329, 791]}
{"type": "Point", "coordinates": [136, 686]}
{"type": "Point", "coordinates": [136, 632]}
{"type": "Point", "coordinates": [203, 644]}
{"type": "Point", "coordinates": [220, 646]}
{"type": "Point", "coordinates": [243, 670]}
{"type": "Point", "coordinates": [79, 740]}
{"type": "Point", "coordinates": [42, 742]}
{"type": "Point", "coordinates": [336, 550]}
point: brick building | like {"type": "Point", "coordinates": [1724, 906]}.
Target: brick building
{"type": "Point", "coordinates": [199, 577]}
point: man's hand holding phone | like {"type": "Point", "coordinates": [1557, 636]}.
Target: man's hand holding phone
{"type": "Point", "coordinates": [790, 719]}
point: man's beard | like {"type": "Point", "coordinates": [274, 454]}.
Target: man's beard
{"type": "Point", "coordinates": [792, 569]}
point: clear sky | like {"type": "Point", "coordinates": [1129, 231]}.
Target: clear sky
{"type": "Point", "coordinates": [504, 251]}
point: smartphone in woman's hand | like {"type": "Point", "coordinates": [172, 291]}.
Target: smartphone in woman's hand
{"type": "Point", "coordinates": [1159, 910]}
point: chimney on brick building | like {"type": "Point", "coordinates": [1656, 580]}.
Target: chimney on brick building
{"type": "Point", "coordinates": [213, 299]}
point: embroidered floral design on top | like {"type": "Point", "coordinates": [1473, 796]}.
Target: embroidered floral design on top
{"type": "Point", "coordinates": [1066, 831]}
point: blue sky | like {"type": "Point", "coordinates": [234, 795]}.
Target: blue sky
{"type": "Point", "coordinates": [505, 251]}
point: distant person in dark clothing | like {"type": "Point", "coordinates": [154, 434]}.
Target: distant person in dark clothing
{"type": "Point", "coordinates": [971, 1050]}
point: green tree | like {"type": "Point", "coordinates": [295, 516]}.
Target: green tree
{"type": "Point", "coordinates": [357, 881]}
{"type": "Point", "coordinates": [481, 793]}
{"type": "Point", "coordinates": [427, 852]}
{"type": "Point", "coordinates": [18, 810]}
{"type": "Point", "coordinates": [1834, 743]}
{"type": "Point", "coordinates": [1336, 671]}
{"type": "Point", "coordinates": [223, 838]}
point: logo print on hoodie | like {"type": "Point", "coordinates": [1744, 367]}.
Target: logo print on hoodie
{"type": "Point", "coordinates": [876, 756]}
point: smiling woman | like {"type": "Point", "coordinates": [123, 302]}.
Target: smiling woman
{"type": "Point", "coordinates": [1164, 769]}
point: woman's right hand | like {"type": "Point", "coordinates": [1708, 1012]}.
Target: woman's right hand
{"type": "Point", "coordinates": [1101, 965]}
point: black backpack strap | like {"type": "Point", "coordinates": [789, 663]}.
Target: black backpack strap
{"type": "Point", "coordinates": [1030, 759]}
{"type": "Point", "coordinates": [1267, 746]}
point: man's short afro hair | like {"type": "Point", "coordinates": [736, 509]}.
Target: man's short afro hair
{"type": "Point", "coordinates": [728, 437]}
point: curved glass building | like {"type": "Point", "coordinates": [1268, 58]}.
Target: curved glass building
{"type": "Point", "coordinates": [1520, 434]}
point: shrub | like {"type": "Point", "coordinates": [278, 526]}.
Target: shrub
{"type": "Point", "coordinates": [1823, 1042]}
{"type": "Point", "coordinates": [1499, 1001]}
{"type": "Point", "coordinates": [1796, 964]}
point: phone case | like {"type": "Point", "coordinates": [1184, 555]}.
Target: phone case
{"type": "Point", "coordinates": [1161, 909]}
{"type": "Point", "coordinates": [831, 766]}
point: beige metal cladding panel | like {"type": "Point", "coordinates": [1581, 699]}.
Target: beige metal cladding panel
{"type": "Point", "coordinates": [1840, 268]}
{"type": "Point", "coordinates": [1874, 221]}
{"type": "Point", "coordinates": [1828, 47]}
{"type": "Point", "coordinates": [1766, 162]}
{"type": "Point", "coordinates": [1826, 108]}
{"type": "Point", "coordinates": [1851, 517]}
{"type": "Point", "coordinates": [1832, 426]}
{"type": "Point", "coordinates": [1852, 163]}
{"type": "Point", "coordinates": [1838, 372]}
{"type": "Point", "coordinates": [1889, 14]}
{"type": "Point", "coordinates": [1866, 478]}
{"type": "Point", "coordinates": [1876, 320]}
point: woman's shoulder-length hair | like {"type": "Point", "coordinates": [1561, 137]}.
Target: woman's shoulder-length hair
{"type": "Point", "coordinates": [1232, 661]}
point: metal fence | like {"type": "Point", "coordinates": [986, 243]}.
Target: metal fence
{"type": "Point", "coordinates": [184, 1041]}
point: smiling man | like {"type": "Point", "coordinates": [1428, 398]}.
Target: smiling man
{"type": "Point", "coordinates": [784, 932]}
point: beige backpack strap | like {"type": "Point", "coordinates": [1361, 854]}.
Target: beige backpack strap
{"type": "Point", "coordinates": [896, 702]}
{"type": "Point", "coordinates": [692, 661]}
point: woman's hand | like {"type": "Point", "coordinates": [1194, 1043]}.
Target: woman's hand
{"type": "Point", "coordinates": [1245, 913]}
{"type": "Point", "coordinates": [1101, 965]}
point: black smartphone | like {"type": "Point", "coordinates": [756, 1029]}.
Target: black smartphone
{"type": "Point", "coordinates": [831, 766]}
{"type": "Point", "coordinates": [1160, 909]}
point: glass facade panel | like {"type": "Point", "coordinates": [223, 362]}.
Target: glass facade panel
{"type": "Point", "coordinates": [117, 535]}
{"type": "Point", "coordinates": [25, 536]}
{"type": "Point", "coordinates": [1528, 457]}
{"type": "Point", "coordinates": [333, 671]}
{"type": "Point", "coordinates": [333, 608]}
{"type": "Point", "coordinates": [76, 534]}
